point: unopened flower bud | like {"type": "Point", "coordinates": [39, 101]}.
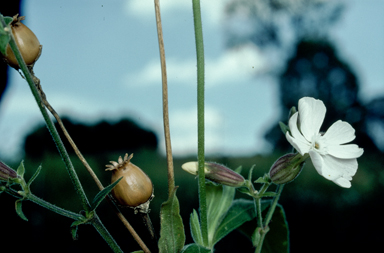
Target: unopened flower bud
{"type": "Point", "coordinates": [217, 173]}
{"type": "Point", "coordinates": [286, 168]}
{"type": "Point", "coordinates": [6, 172]}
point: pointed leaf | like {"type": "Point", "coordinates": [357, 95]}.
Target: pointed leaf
{"type": "Point", "coordinates": [195, 228]}
{"type": "Point", "coordinates": [219, 199]}
{"type": "Point", "coordinates": [195, 248]}
{"type": "Point", "coordinates": [34, 176]}
{"type": "Point", "coordinates": [74, 232]}
{"type": "Point", "coordinates": [101, 195]}
{"type": "Point", "coordinates": [19, 211]}
{"type": "Point", "coordinates": [241, 211]}
{"type": "Point", "coordinates": [277, 239]}
{"type": "Point", "coordinates": [21, 170]}
{"type": "Point", "coordinates": [172, 237]}
{"type": "Point", "coordinates": [284, 128]}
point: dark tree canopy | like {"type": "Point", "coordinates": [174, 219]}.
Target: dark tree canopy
{"type": "Point", "coordinates": [103, 137]}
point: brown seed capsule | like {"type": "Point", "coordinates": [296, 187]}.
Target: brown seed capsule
{"type": "Point", "coordinates": [135, 189]}
{"type": "Point", "coordinates": [27, 43]}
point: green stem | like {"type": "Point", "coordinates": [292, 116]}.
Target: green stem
{"type": "Point", "coordinates": [54, 208]}
{"type": "Point", "coordinates": [98, 225]}
{"type": "Point", "coordinates": [200, 117]}
{"type": "Point", "coordinates": [268, 217]}
{"type": "Point", "coordinates": [51, 127]}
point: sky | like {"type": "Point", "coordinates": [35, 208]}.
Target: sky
{"type": "Point", "coordinates": [100, 60]}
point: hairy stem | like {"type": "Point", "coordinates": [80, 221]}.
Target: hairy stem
{"type": "Point", "coordinates": [268, 217]}
{"type": "Point", "coordinates": [105, 234]}
{"type": "Point", "coordinates": [200, 116]}
{"type": "Point", "coordinates": [51, 127]}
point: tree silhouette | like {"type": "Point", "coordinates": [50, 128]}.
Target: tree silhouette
{"type": "Point", "coordinates": [307, 64]}
{"type": "Point", "coordinates": [316, 70]}
{"type": "Point", "coordinates": [103, 137]}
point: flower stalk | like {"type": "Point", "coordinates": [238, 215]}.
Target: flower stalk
{"type": "Point", "coordinates": [200, 117]}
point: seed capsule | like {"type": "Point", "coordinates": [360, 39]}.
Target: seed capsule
{"type": "Point", "coordinates": [135, 189]}
{"type": "Point", "coordinates": [27, 43]}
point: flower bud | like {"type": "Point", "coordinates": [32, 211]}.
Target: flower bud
{"type": "Point", "coordinates": [286, 168]}
{"type": "Point", "coordinates": [6, 173]}
{"type": "Point", "coordinates": [217, 173]}
{"type": "Point", "coordinates": [135, 189]}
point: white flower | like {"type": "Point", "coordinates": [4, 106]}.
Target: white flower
{"type": "Point", "coordinates": [332, 159]}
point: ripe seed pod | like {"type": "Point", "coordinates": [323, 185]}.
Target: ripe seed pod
{"type": "Point", "coordinates": [135, 189]}
{"type": "Point", "coordinates": [27, 43]}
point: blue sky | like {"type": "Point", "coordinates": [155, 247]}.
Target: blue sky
{"type": "Point", "coordinates": [100, 60]}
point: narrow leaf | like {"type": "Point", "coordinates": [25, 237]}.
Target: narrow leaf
{"type": "Point", "coordinates": [34, 176]}
{"type": "Point", "coordinates": [195, 228]}
{"type": "Point", "coordinates": [101, 195]}
{"type": "Point", "coordinates": [195, 248]}
{"type": "Point", "coordinates": [19, 211]}
{"type": "Point", "coordinates": [241, 211]}
{"type": "Point", "coordinates": [21, 170]}
{"type": "Point", "coordinates": [74, 232]}
{"type": "Point", "coordinates": [172, 237]}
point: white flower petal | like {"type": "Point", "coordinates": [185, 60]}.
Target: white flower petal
{"type": "Point", "coordinates": [339, 133]}
{"type": "Point", "coordinates": [345, 151]}
{"type": "Point", "coordinates": [296, 139]}
{"type": "Point", "coordinates": [312, 113]}
{"type": "Point", "coordinates": [343, 182]}
{"type": "Point", "coordinates": [339, 170]}
{"type": "Point", "coordinates": [317, 161]}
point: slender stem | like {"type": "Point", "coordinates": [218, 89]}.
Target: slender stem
{"type": "Point", "coordinates": [96, 222]}
{"type": "Point", "coordinates": [268, 218]}
{"type": "Point", "coordinates": [51, 127]}
{"type": "Point", "coordinates": [54, 208]}
{"type": "Point", "coordinates": [167, 135]}
{"type": "Point", "coordinates": [200, 117]}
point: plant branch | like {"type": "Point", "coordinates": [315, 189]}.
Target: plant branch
{"type": "Point", "coordinates": [167, 135]}
{"type": "Point", "coordinates": [200, 117]}
{"type": "Point", "coordinates": [268, 217]}
{"type": "Point", "coordinates": [51, 127]}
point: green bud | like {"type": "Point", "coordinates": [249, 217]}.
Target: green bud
{"type": "Point", "coordinates": [6, 173]}
{"type": "Point", "coordinates": [217, 173]}
{"type": "Point", "coordinates": [287, 168]}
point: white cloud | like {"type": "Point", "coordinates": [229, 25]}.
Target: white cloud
{"type": "Point", "coordinates": [212, 10]}
{"type": "Point", "coordinates": [232, 66]}
{"type": "Point", "coordinates": [183, 126]}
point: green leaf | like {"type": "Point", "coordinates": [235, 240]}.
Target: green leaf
{"type": "Point", "coordinates": [19, 211]}
{"type": "Point", "coordinates": [195, 248]}
{"type": "Point", "coordinates": [101, 195]}
{"type": "Point", "coordinates": [284, 128]}
{"type": "Point", "coordinates": [195, 228]}
{"type": "Point", "coordinates": [277, 239]}
{"type": "Point", "coordinates": [248, 228]}
{"type": "Point", "coordinates": [219, 199]}
{"type": "Point", "coordinates": [21, 170]}
{"type": "Point", "coordinates": [240, 211]}
{"type": "Point", "coordinates": [74, 232]}
{"type": "Point", "coordinates": [34, 176]}
{"type": "Point", "coordinates": [138, 251]}
{"type": "Point", "coordinates": [172, 236]}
